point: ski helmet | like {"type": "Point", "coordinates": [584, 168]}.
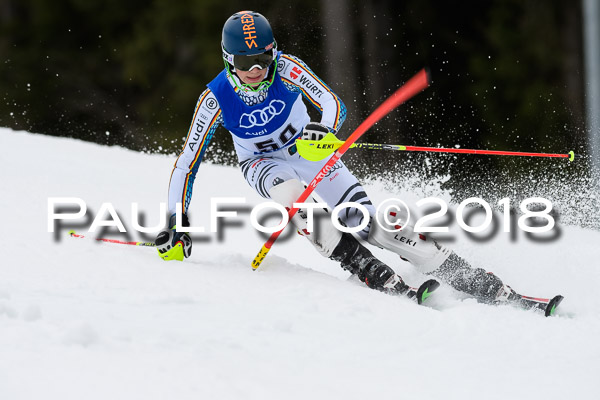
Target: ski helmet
{"type": "Point", "coordinates": [248, 41]}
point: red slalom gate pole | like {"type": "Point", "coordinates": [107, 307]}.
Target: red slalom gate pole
{"type": "Point", "coordinates": [415, 85]}
{"type": "Point", "coordinates": [146, 244]}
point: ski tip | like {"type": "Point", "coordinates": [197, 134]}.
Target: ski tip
{"type": "Point", "coordinates": [571, 155]}
{"type": "Point", "coordinates": [552, 304]}
{"type": "Point", "coordinates": [426, 289]}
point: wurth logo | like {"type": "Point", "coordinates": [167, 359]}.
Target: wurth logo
{"type": "Point", "coordinates": [249, 30]}
{"type": "Point", "coordinates": [311, 85]}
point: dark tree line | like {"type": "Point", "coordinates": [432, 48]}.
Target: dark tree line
{"type": "Point", "coordinates": [507, 74]}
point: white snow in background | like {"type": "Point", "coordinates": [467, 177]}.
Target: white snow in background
{"type": "Point", "coordinates": [87, 320]}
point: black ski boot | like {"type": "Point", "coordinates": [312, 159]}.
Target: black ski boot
{"type": "Point", "coordinates": [488, 288]}
{"type": "Point", "coordinates": [359, 261]}
{"type": "Point", "coordinates": [459, 274]}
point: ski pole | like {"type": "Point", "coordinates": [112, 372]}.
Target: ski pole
{"type": "Point", "coordinates": [316, 150]}
{"type": "Point", "coordinates": [147, 244]}
{"type": "Point", "coordinates": [570, 155]}
{"type": "Point", "coordinates": [414, 86]}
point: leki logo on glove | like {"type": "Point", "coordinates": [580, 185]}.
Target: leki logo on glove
{"type": "Point", "coordinates": [263, 116]}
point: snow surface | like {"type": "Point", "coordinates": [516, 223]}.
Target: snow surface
{"type": "Point", "coordinates": [81, 319]}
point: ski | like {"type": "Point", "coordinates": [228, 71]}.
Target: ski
{"type": "Point", "coordinates": [548, 306]}
{"type": "Point", "coordinates": [421, 293]}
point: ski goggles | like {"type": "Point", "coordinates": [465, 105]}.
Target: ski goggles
{"type": "Point", "coordinates": [246, 63]}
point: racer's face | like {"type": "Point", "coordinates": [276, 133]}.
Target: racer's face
{"type": "Point", "coordinates": [253, 77]}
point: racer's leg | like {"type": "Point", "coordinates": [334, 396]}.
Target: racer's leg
{"type": "Point", "coordinates": [276, 178]}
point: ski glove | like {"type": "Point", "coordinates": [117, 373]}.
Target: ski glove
{"type": "Point", "coordinates": [173, 245]}
{"type": "Point", "coordinates": [314, 131]}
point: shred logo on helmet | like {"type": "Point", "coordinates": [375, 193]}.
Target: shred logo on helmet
{"type": "Point", "coordinates": [249, 29]}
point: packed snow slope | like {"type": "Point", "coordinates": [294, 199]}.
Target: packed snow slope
{"type": "Point", "coordinates": [81, 319]}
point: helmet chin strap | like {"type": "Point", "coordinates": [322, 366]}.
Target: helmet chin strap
{"type": "Point", "coordinates": [262, 85]}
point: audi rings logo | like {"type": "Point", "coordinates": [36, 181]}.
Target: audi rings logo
{"type": "Point", "coordinates": [263, 116]}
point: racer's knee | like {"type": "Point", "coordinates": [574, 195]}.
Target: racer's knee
{"type": "Point", "coordinates": [389, 231]}
{"type": "Point", "coordinates": [323, 235]}
{"type": "Point", "coordinates": [278, 178]}
{"type": "Point", "coordinates": [264, 173]}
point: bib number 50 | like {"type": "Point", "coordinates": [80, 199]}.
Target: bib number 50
{"type": "Point", "coordinates": [270, 145]}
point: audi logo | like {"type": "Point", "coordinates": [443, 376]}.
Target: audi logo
{"type": "Point", "coordinates": [263, 116]}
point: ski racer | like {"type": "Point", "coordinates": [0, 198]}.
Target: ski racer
{"type": "Point", "coordinates": [258, 98]}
